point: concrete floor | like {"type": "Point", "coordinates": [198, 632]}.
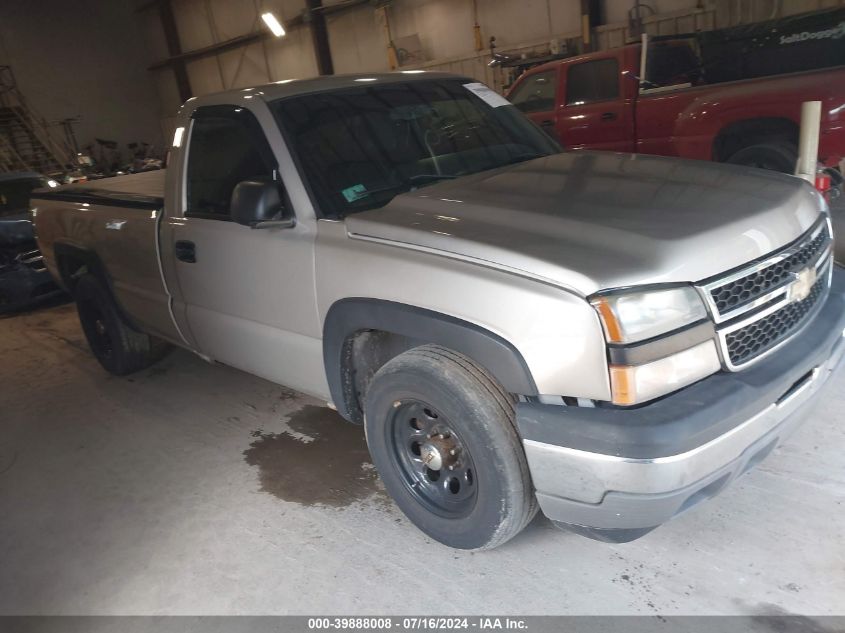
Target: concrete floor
{"type": "Point", "coordinates": [192, 488]}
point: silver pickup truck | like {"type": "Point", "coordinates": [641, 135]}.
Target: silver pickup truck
{"type": "Point", "coordinates": [611, 337]}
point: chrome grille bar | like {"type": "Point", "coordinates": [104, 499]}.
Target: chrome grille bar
{"type": "Point", "coordinates": [813, 245]}
{"type": "Point", "coordinates": [767, 314]}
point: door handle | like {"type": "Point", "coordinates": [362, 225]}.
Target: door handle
{"type": "Point", "coordinates": [185, 251]}
{"type": "Point", "coordinates": [608, 116]}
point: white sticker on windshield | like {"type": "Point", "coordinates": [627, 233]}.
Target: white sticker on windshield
{"type": "Point", "coordinates": [490, 96]}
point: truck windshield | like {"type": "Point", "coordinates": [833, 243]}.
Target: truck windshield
{"type": "Point", "coordinates": [361, 147]}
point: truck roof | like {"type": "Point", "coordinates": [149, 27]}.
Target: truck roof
{"type": "Point", "coordinates": [292, 87]}
{"type": "Point", "coordinates": [578, 58]}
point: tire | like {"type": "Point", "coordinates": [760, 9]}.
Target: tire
{"type": "Point", "coordinates": [779, 156]}
{"type": "Point", "coordinates": [430, 401]}
{"type": "Point", "coordinates": [119, 348]}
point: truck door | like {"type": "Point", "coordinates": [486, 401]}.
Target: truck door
{"type": "Point", "coordinates": [593, 113]}
{"type": "Point", "coordinates": [536, 96]}
{"type": "Point", "coordinates": [246, 295]}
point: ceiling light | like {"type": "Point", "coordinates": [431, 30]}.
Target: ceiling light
{"type": "Point", "coordinates": [273, 24]}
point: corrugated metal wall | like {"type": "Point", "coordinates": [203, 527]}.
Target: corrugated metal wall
{"type": "Point", "coordinates": [716, 14]}
{"type": "Point", "coordinates": [445, 29]}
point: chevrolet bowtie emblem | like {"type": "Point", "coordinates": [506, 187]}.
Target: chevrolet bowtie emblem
{"type": "Point", "coordinates": [803, 283]}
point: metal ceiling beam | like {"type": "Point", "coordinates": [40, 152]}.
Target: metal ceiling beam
{"type": "Point", "coordinates": [174, 49]}
{"type": "Point", "coordinates": [214, 49]}
{"type": "Point", "coordinates": [313, 15]}
{"type": "Point", "coordinates": [320, 37]}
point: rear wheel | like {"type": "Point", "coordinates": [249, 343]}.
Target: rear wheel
{"type": "Point", "coordinates": [778, 156]}
{"type": "Point", "coordinates": [441, 433]}
{"type": "Point", "coordinates": [119, 348]}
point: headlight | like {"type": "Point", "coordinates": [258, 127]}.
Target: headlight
{"type": "Point", "coordinates": [635, 384]}
{"type": "Point", "coordinates": [674, 360]}
{"type": "Point", "coordinates": [629, 316]}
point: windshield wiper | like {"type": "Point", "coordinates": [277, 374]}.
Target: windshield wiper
{"type": "Point", "coordinates": [424, 178]}
{"type": "Point", "coordinates": [521, 158]}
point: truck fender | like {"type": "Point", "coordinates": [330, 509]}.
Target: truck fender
{"type": "Point", "coordinates": [700, 126]}
{"type": "Point", "coordinates": [393, 328]}
{"type": "Point", "coordinates": [71, 258]}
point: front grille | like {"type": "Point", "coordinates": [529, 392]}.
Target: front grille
{"type": "Point", "coordinates": [756, 338]}
{"type": "Point", "coordinates": [753, 308]}
{"type": "Point", "coordinates": [740, 292]}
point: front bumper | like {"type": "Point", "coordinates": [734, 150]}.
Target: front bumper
{"type": "Point", "coordinates": [616, 474]}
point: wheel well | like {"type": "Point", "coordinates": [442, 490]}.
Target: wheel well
{"type": "Point", "coordinates": [742, 134]}
{"type": "Point", "coordinates": [72, 263]}
{"type": "Point", "coordinates": [365, 352]}
{"type": "Point", "coordinates": [360, 335]}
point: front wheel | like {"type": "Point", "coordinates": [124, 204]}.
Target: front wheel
{"type": "Point", "coordinates": [442, 435]}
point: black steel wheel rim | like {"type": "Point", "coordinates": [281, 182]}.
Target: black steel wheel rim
{"type": "Point", "coordinates": [433, 462]}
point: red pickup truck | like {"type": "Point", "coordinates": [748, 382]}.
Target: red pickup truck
{"type": "Point", "coordinates": [673, 108]}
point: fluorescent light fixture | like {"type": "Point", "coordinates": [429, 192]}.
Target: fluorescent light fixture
{"type": "Point", "coordinates": [177, 136]}
{"type": "Point", "coordinates": [273, 24]}
{"type": "Point", "coordinates": [366, 79]}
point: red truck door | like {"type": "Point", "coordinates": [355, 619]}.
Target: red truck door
{"type": "Point", "coordinates": [536, 95]}
{"type": "Point", "coordinates": [593, 112]}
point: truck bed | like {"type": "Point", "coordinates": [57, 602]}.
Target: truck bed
{"type": "Point", "coordinates": [143, 190]}
{"type": "Point", "coordinates": [111, 225]}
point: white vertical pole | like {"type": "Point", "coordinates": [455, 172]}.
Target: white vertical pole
{"type": "Point", "coordinates": [643, 60]}
{"type": "Point", "coordinates": [808, 140]}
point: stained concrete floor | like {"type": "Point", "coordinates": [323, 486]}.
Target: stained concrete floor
{"type": "Point", "coordinates": [191, 488]}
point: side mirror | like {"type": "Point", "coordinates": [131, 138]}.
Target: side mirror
{"type": "Point", "coordinates": [258, 205]}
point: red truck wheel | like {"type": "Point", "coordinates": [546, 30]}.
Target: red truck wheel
{"type": "Point", "coordinates": [780, 157]}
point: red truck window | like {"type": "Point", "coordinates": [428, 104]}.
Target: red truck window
{"type": "Point", "coordinates": [592, 81]}
{"type": "Point", "coordinates": [673, 64]}
{"type": "Point", "coordinates": [536, 93]}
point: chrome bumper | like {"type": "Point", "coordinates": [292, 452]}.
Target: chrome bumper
{"type": "Point", "coordinates": [588, 476]}
{"type": "Point", "coordinates": [608, 489]}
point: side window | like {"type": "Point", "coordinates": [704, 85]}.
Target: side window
{"type": "Point", "coordinates": [592, 81]}
{"type": "Point", "coordinates": [227, 146]}
{"type": "Point", "coordinates": [536, 93]}
{"type": "Point", "coordinates": [673, 64]}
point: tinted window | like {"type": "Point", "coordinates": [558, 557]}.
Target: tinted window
{"type": "Point", "coordinates": [672, 64]}
{"type": "Point", "coordinates": [536, 93]}
{"type": "Point", "coordinates": [360, 147]}
{"type": "Point", "coordinates": [227, 147]}
{"type": "Point", "coordinates": [14, 194]}
{"type": "Point", "coordinates": [592, 81]}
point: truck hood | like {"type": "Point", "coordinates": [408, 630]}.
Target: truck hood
{"type": "Point", "coordinates": [589, 221]}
